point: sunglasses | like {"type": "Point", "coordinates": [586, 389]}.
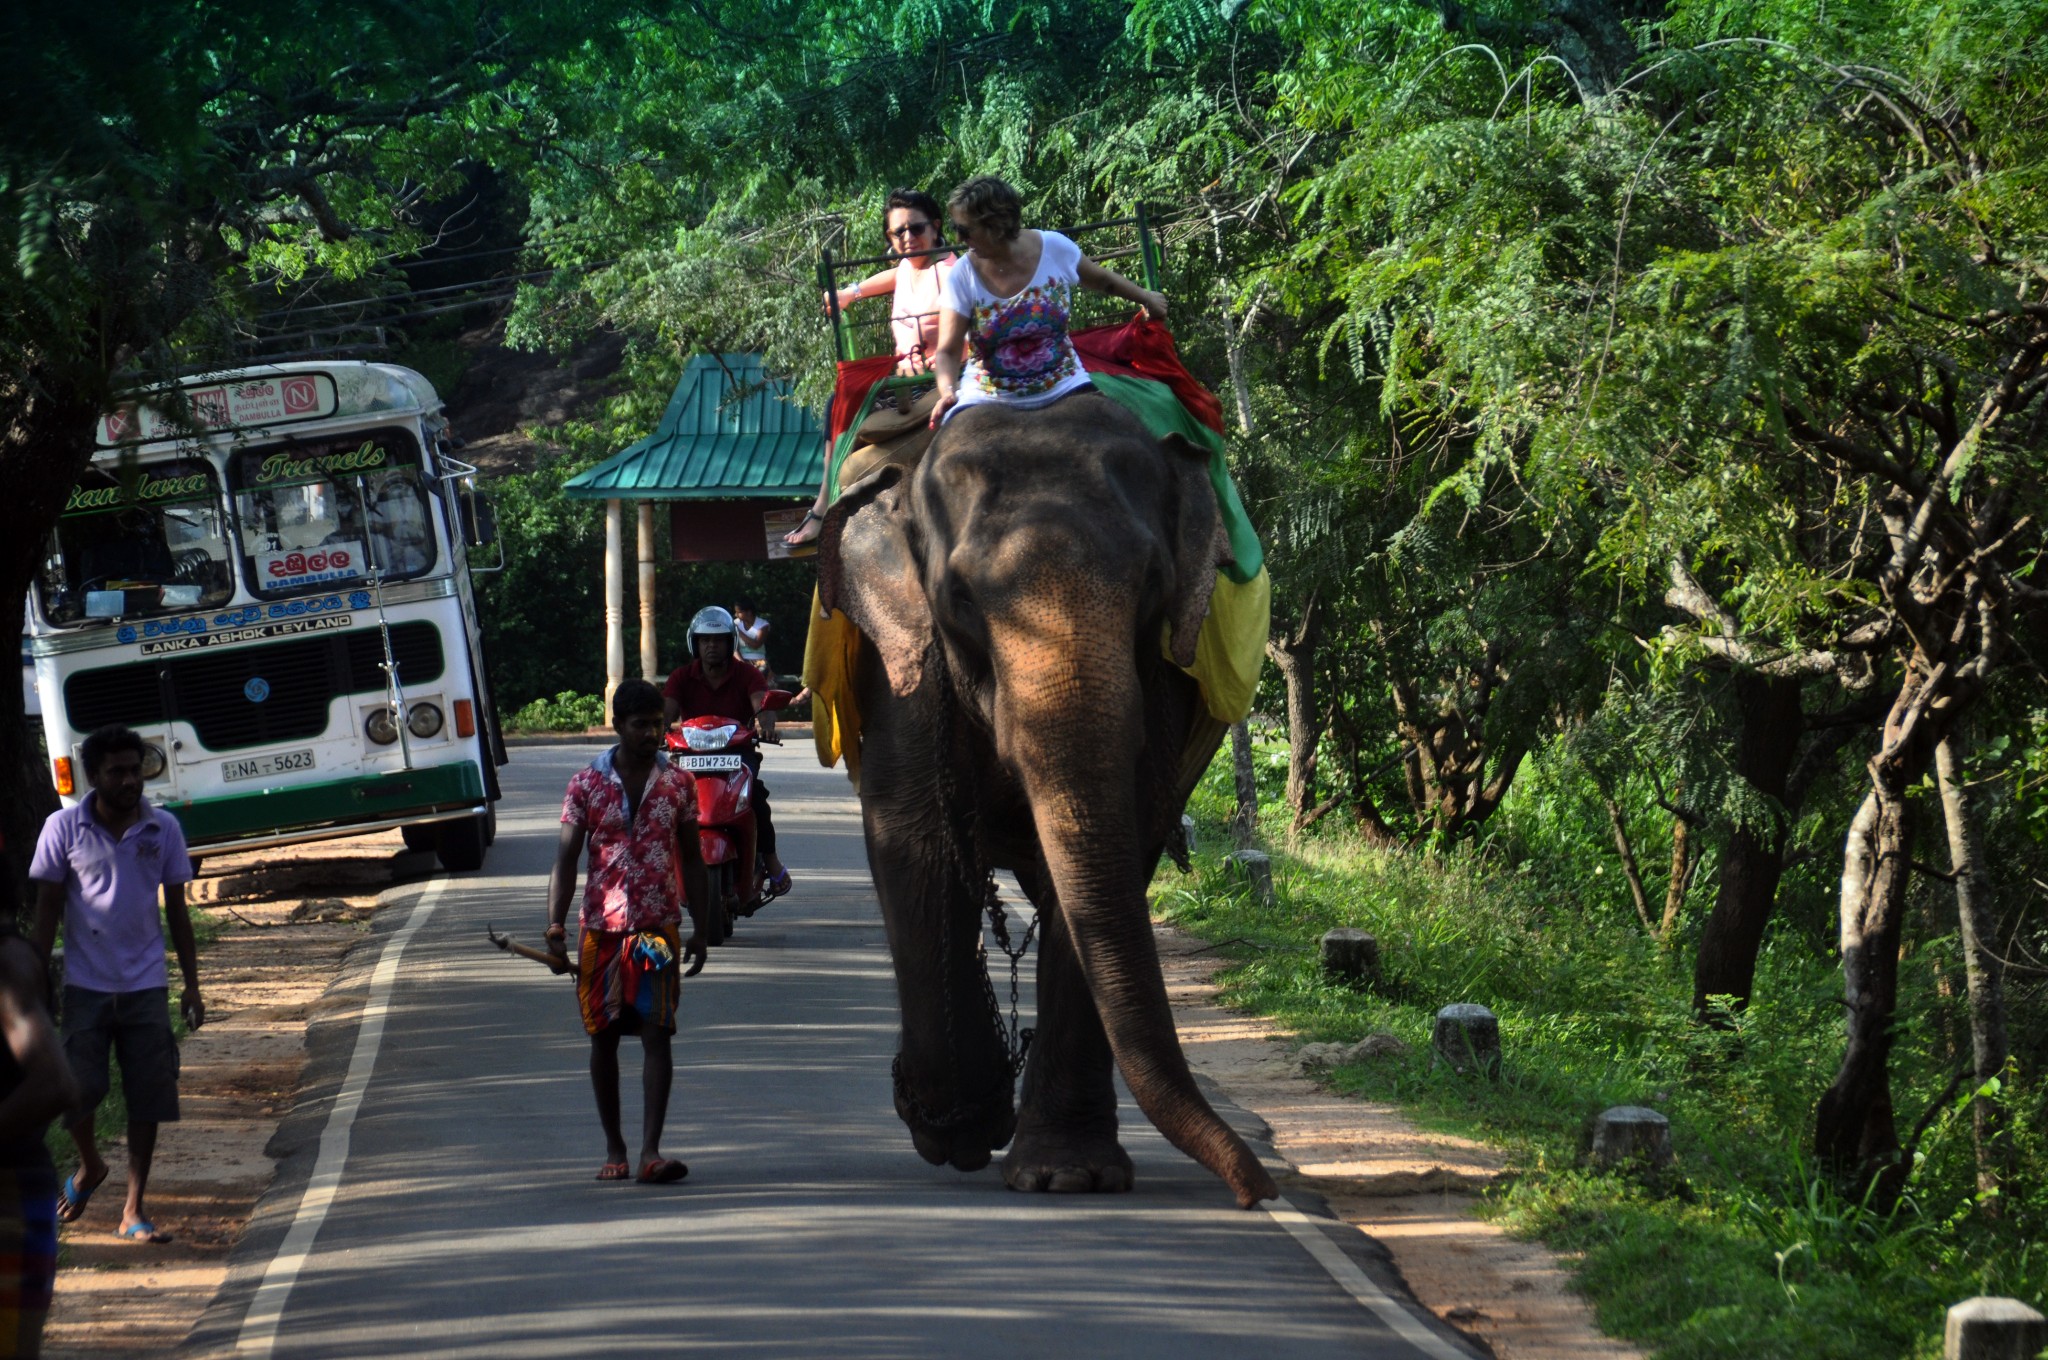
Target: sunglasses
{"type": "Point", "coordinates": [909, 230]}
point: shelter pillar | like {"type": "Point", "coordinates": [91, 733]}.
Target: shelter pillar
{"type": "Point", "coordinates": [650, 660]}
{"type": "Point", "coordinates": [614, 600]}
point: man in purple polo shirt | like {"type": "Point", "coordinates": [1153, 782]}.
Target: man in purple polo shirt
{"type": "Point", "coordinates": [100, 865]}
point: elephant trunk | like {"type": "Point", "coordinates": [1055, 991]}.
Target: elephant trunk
{"type": "Point", "coordinates": [1075, 735]}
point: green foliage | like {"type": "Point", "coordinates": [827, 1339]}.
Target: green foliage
{"type": "Point", "coordinates": [1755, 1253]}
{"type": "Point", "coordinates": [566, 712]}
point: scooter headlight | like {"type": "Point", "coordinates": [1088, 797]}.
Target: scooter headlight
{"type": "Point", "coordinates": [709, 738]}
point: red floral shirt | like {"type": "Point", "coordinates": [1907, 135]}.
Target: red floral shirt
{"type": "Point", "coordinates": [635, 880]}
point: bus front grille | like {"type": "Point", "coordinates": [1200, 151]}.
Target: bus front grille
{"type": "Point", "coordinates": [218, 692]}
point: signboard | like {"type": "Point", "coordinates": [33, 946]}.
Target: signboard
{"type": "Point", "coordinates": [776, 523]}
{"type": "Point", "coordinates": [193, 642]}
{"type": "Point", "coordinates": [259, 401]}
{"type": "Point", "coordinates": [308, 566]}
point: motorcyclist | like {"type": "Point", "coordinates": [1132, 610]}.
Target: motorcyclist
{"type": "Point", "coordinates": [712, 684]}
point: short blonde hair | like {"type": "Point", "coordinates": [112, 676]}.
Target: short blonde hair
{"type": "Point", "coordinates": [991, 203]}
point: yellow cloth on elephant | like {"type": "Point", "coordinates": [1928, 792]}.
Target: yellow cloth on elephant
{"type": "Point", "coordinates": [1228, 654]}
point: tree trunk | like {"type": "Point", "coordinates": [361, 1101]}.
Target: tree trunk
{"type": "Point", "coordinates": [1244, 823]}
{"type": "Point", "coordinates": [46, 440]}
{"type": "Point", "coordinates": [1854, 1130]}
{"type": "Point", "coordinates": [1682, 863]}
{"type": "Point", "coordinates": [1734, 931]}
{"type": "Point", "coordinates": [1629, 868]}
{"type": "Point", "coordinates": [1984, 970]}
{"type": "Point", "coordinates": [1295, 654]}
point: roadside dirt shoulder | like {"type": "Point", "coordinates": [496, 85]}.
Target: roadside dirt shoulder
{"type": "Point", "coordinates": [284, 921]}
{"type": "Point", "coordinates": [1413, 1191]}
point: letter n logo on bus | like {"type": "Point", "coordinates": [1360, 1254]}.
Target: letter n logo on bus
{"type": "Point", "coordinates": [300, 395]}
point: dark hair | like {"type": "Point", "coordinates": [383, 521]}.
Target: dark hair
{"type": "Point", "coordinates": [634, 697]}
{"type": "Point", "coordinates": [107, 740]}
{"type": "Point", "coordinates": [990, 202]}
{"type": "Point", "coordinates": [917, 200]}
{"type": "Point", "coordinates": [745, 603]}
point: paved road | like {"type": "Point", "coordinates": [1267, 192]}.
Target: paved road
{"type": "Point", "coordinates": [465, 1221]}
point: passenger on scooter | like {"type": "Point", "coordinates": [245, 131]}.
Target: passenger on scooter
{"type": "Point", "coordinates": [712, 684]}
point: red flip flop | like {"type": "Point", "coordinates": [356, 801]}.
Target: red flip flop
{"type": "Point", "coordinates": [663, 1171]}
{"type": "Point", "coordinates": [615, 1171]}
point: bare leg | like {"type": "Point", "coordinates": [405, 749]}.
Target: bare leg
{"type": "Point", "coordinates": [141, 1152]}
{"type": "Point", "coordinates": [604, 1081]}
{"type": "Point", "coordinates": [657, 1075]}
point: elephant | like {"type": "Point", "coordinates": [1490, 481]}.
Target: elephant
{"type": "Point", "coordinates": [1018, 711]}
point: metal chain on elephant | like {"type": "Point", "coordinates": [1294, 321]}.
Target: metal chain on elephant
{"type": "Point", "coordinates": [999, 926]}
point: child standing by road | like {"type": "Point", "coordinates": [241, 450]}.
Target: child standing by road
{"type": "Point", "coordinates": [638, 814]}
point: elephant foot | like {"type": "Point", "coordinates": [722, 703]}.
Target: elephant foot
{"type": "Point", "coordinates": [1068, 1164]}
{"type": "Point", "coordinates": [963, 1137]}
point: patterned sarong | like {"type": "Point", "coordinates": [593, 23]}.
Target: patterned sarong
{"type": "Point", "coordinates": [28, 1256]}
{"type": "Point", "coordinates": [630, 973]}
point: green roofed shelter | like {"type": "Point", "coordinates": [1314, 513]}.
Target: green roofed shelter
{"type": "Point", "coordinates": [737, 460]}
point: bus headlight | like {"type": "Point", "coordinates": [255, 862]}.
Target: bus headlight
{"type": "Point", "coordinates": [153, 762]}
{"type": "Point", "coordinates": [379, 727]}
{"type": "Point", "coordinates": [424, 721]}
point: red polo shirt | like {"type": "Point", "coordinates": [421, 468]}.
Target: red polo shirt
{"type": "Point", "coordinates": [696, 697]}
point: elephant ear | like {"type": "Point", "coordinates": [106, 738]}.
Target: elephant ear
{"type": "Point", "coordinates": [868, 568]}
{"type": "Point", "coordinates": [1199, 544]}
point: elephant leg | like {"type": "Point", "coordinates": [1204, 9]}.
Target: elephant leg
{"type": "Point", "coordinates": [952, 1074]}
{"type": "Point", "coordinates": [1066, 1127]}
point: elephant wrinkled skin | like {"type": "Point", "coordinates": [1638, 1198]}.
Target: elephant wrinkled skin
{"type": "Point", "coordinates": [1017, 712]}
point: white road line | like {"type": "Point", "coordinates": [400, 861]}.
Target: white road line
{"type": "Point", "coordinates": [266, 1310]}
{"type": "Point", "coordinates": [1359, 1285]}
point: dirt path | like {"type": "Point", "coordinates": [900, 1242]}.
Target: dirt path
{"type": "Point", "coordinates": [1414, 1191]}
{"type": "Point", "coordinates": [285, 920]}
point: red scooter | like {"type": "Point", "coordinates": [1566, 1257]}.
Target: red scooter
{"type": "Point", "coordinates": [710, 748]}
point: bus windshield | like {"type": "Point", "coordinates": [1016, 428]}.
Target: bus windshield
{"type": "Point", "coordinates": [318, 511]}
{"type": "Point", "coordinates": [138, 540]}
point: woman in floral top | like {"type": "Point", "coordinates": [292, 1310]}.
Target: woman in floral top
{"type": "Point", "coordinates": [1004, 307]}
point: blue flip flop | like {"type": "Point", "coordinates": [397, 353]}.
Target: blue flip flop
{"type": "Point", "coordinates": [142, 1230]}
{"type": "Point", "coordinates": [71, 1200]}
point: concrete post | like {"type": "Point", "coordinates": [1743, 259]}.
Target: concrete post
{"type": "Point", "coordinates": [650, 657]}
{"type": "Point", "coordinates": [614, 601]}
{"type": "Point", "coordinates": [1630, 1133]}
{"type": "Point", "coordinates": [1350, 955]}
{"type": "Point", "coordinates": [1468, 1038]}
{"type": "Point", "coordinates": [1256, 868]}
{"type": "Point", "coordinates": [1187, 832]}
{"type": "Point", "coordinates": [1986, 1328]}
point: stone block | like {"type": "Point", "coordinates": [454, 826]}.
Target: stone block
{"type": "Point", "coordinates": [1256, 869]}
{"type": "Point", "coordinates": [1350, 955]}
{"type": "Point", "coordinates": [1986, 1328]}
{"type": "Point", "coordinates": [1630, 1133]}
{"type": "Point", "coordinates": [1467, 1037]}
{"type": "Point", "coordinates": [1187, 832]}
{"type": "Point", "coordinates": [1310, 1057]}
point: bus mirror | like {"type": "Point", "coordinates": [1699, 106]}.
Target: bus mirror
{"type": "Point", "coordinates": [479, 517]}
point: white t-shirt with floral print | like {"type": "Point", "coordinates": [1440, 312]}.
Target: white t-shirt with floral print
{"type": "Point", "coordinates": [1018, 350]}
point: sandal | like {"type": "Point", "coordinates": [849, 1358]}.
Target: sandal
{"type": "Point", "coordinates": [615, 1171]}
{"type": "Point", "coordinates": [777, 886]}
{"type": "Point", "coordinates": [797, 538]}
{"type": "Point", "coordinates": [142, 1230]}
{"type": "Point", "coordinates": [663, 1171]}
{"type": "Point", "coordinates": [71, 1200]}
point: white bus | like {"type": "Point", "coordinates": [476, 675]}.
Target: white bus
{"type": "Point", "coordinates": [269, 579]}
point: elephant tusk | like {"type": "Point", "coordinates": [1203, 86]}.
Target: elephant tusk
{"type": "Point", "coordinates": [557, 964]}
